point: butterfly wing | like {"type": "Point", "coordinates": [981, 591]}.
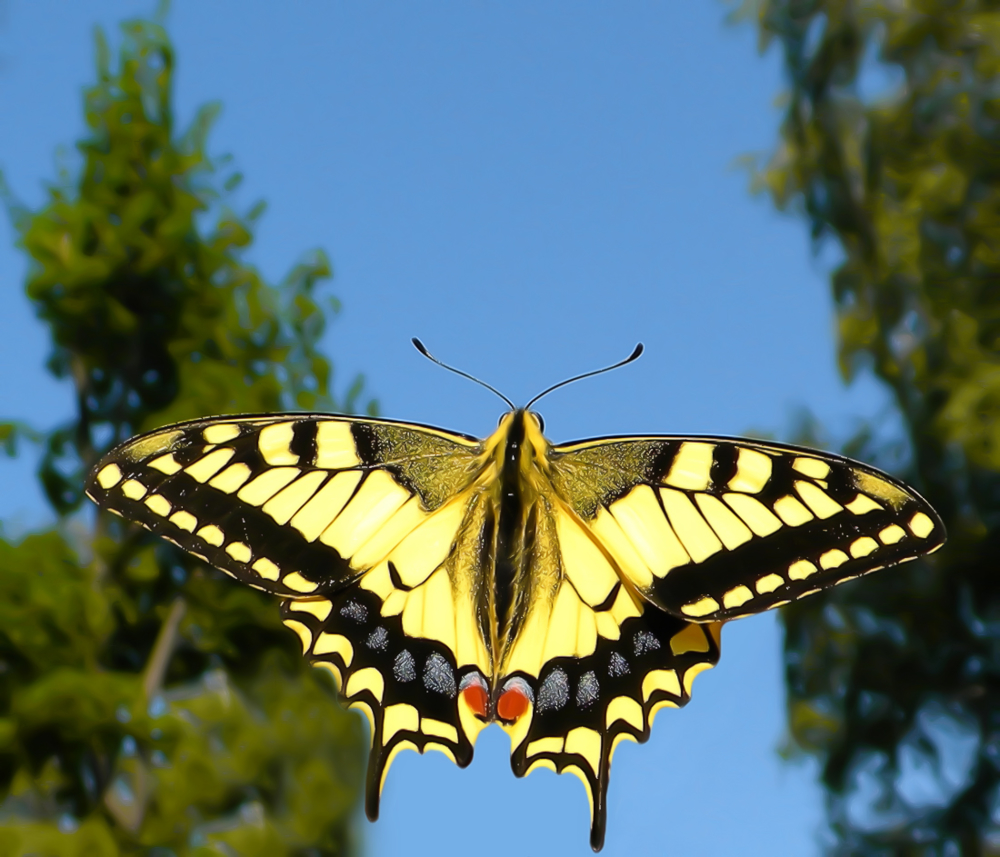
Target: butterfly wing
{"type": "Point", "coordinates": [584, 707]}
{"type": "Point", "coordinates": [711, 529]}
{"type": "Point", "coordinates": [654, 542]}
{"type": "Point", "coordinates": [357, 523]}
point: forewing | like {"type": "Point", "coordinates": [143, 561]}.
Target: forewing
{"type": "Point", "coordinates": [359, 524]}
{"type": "Point", "coordinates": [716, 528]}
{"type": "Point", "coordinates": [292, 504]}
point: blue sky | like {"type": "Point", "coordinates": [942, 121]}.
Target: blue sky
{"type": "Point", "coordinates": [531, 189]}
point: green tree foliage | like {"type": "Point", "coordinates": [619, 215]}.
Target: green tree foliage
{"type": "Point", "coordinates": [894, 683]}
{"type": "Point", "coordinates": [145, 701]}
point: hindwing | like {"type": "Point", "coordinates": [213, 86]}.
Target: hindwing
{"type": "Point", "coordinates": [405, 685]}
{"type": "Point", "coordinates": [583, 707]}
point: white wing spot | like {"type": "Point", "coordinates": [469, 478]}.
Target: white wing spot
{"type": "Point", "coordinates": [266, 569]}
{"type": "Point", "coordinates": [239, 551]}
{"type": "Point", "coordinates": [736, 597]}
{"type": "Point", "coordinates": [403, 667]}
{"type": "Point", "coordinates": [378, 639]}
{"type": "Point", "coordinates": [355, 611]}
{"type": "Point", "coordinates": [109, 476]}
{"type": "Point", "coordinates": [617, 666]}
{"type": "Point", "coordinates": [184, 520]}
{"type": "Point", "coordinates": [159, 504]}
{"type": "Point", "coordinates": [133, 490]}
{"type": "Point", "coordinates": [891, 534]}
{"type": "Point", "coordinates": [701, 607]}
{"type": "Point", "coordinates": [587, 690]}
{"type": "Point", "coordinates": [768, 583]}
{"type": "Point", "coordinates": [921, 526]}
{"type": "Point", "coordinates": [553, 693]}
{"type": "Point", "coordinates": [801, 569]}
{"type": "Point", "coordinates": [296, 581]}
{"type": "Point", "coordinates": [211, 534]}
{"type": "Point", "coordinates": [833, 558]}
{"type": "Point", "coordinates": [439, 676]}
{"type": "Point", "coordinates": [863, 546]}
{"type": "Point", "coordinates": [644, 642]}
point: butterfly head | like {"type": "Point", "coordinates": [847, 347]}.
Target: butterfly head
{"type": "Point", "coordinates": [507, 416]}
{"type": "Point", "coordinates": [518, 445]}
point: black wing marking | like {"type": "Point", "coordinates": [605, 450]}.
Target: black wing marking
{"type": "Point", "coordinates": [291, 504]}
{"type": "Point", "coordinates": [716, 528]}
{"type": "Point", "coordinates": [357, 523]}
{"type": "Point", "coordinates": [406, 687]}
{"type": "Point", "coordinates": [583, 707]}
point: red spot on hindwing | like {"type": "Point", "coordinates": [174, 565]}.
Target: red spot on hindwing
{"type": "Point", "coordinates": [512, 704]}
{"type": "Point", "coordinates": [477, 699]}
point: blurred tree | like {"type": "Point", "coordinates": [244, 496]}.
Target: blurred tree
{"type": "Point", "coordinates": [147, 705]}
{"type": "Point", "coordinates": [890, 148]}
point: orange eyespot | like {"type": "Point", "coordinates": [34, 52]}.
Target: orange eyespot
{"type": "Point", "coordinates": [512, 704]}
{"type": "Point", "coordinates": [477, 699]}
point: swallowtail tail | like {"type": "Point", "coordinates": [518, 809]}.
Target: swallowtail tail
{"type": "Point", "coordinates": [568, 592]}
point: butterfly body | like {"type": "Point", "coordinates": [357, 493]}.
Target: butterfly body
{"type": "Point", "coordinates": [568, 592]}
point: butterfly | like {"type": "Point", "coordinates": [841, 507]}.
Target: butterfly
{"type": "Point", "coordinates": [567, 592]}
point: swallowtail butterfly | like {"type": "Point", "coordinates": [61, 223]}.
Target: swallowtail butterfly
{"type": "Point", "coordinates": [567, 592]}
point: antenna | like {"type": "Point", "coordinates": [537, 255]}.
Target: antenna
{"type": "Point", "coordinates": [423, 350]}
{"type": "Point", "coordinates": [633, 356]}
